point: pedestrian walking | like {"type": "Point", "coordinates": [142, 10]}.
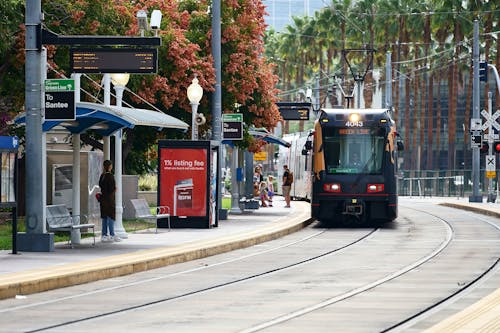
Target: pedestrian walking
{"type": "Point", "coordinates": [107, 203]}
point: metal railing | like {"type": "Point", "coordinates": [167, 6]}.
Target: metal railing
{"type": "Point", "coordinates": [441, 183]}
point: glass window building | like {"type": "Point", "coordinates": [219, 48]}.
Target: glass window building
{"type": "Point", "coordinates": [280, 12]}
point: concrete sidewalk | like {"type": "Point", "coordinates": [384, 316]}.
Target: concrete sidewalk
{"type": "Point", "coordinates": [485, 208]}
{"type": "Point", "coordinates": [31, 272]}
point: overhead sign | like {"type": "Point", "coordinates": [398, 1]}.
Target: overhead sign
{"type": "Point", "coordinates": [294, 110]}
{"type": "Point", "coordinates": [232, 126]}
{"type": "Point", "coordinates": [109, 60]}
{"type": "Point", "coordinates": [60, 99]}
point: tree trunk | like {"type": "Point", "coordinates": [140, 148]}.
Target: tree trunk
{"type": "Point", "coordinates": [467, 114]}
{"type": "Point", "coordinates": [430, 122]}
{"type": "Point", "coordinates": [438, 121]}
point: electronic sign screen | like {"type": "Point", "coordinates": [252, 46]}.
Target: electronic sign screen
{"type": "Point", "coordinates": [294, 111]}
{"type": "Point", "coordinates": [110, 60]}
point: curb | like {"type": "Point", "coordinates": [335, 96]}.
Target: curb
{"type": "Point", "coordinates": [34, 281]}
{"type": "Point", "coordinates": [472, 209]}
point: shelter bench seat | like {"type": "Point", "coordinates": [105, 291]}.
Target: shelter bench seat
{"type": "Point", "coordinates": [143, 212]}
{"type": "Point", "coordinates": [59, 219]}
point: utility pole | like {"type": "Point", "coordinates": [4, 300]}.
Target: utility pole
{"type": "Point", "coordinates": [35, 238]}
{"type": "Point", "coordinates": [388, 80]}
{"type": "Point", "coordinates": [217, 94]}
{"type": "Point", "coordinates": [476, 195]}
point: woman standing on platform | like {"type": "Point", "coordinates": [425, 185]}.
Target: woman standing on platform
{"type": "Point", "coordinates": [107, 203]}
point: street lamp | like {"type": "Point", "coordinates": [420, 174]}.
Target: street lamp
{"type": "Point", "coordinates": [119, 82]}
{"type": "Point", "coordinates": [194, 93]}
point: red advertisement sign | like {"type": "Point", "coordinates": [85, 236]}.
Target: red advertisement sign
{"type": "Point", "coordinates": [183, 178]}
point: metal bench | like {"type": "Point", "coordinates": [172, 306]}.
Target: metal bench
{"type": "Point", "coordinates": [59, 219]}
{"type": "Point", "coordinates": [143, 212]}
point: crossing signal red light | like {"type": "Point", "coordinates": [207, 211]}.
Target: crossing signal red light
{"type": "Point", "coordinates": [496, 146]}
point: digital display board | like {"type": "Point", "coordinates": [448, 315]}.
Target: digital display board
{"type": "Point", "coordinates": [110, 60]}
{"type": "Point", "coordinates": [294, 111]}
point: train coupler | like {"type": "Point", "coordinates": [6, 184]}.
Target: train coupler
{"type": "Point", "coordinates": [353, 209]}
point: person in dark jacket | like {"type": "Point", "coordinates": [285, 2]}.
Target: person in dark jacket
{"type": "Point", "coordinates": [107, 203]}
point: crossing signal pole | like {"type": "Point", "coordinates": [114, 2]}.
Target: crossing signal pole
{"type": "Point", "coordinates": [476, 196]}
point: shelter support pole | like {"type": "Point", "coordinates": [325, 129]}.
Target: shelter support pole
{"type": "Point", "coordinates": [106, 81]}
{"type": "Point", "coordinates": [235, 187]}
{"type": "Point", "coordinates": [248, 175]}
{"type": "Point", "coordinates": [106, 141]}
{"type": "Point", "coordinates": [119, 229]}
{"type": "Point", "coordinates": [76, 211]}
{"type": "Point", "coordinates": [75, 234]}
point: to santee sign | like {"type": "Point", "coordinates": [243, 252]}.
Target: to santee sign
{"type": "Point", "coordinates": [60, 99]}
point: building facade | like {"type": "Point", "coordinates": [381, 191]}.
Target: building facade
{"type": "Point", "coordinates": [280, 12]}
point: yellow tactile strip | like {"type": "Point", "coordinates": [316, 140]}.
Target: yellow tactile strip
{"type": "Point", "coordinates": [481, 317]}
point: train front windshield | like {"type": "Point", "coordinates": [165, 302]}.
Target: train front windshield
{"type": "Point", "coordinates": [354, 150]}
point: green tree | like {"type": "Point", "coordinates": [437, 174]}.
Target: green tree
{"type": "Point", "coordinates": [10, 72]}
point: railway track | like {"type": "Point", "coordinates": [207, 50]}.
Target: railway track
{"type": "Point", "coordinates": [399, 256]}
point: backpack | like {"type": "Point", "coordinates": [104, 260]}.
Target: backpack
{"type": "Point", "coordinates": [289, 179]}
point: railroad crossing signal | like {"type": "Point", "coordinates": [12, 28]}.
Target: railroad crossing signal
{"type": "Point", "coordinates": [490, 166]}
{"type": "Point", "coordinates": [490, 120]}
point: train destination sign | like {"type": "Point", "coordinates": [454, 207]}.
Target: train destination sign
{"type": "Point", "coordinates": [294, 110]}
{"type": "Point", "coordinates": [109, 60]}
{"type": "Point", "coordinates": [60, 99]}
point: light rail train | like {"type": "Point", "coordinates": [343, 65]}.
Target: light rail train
{"type": "Point", "coordinates": [346, 167]}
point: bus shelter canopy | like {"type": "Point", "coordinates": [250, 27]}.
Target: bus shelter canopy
{"type": "Point", "coordinates": [107, 119]}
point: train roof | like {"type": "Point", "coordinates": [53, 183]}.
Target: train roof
{"type": "Point", "coordinates": [337, 117]}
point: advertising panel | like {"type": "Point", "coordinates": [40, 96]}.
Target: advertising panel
{"type": "Point", "coordinates": [187, 179]}
{"type": "Point", "coordinates": [185, 171]}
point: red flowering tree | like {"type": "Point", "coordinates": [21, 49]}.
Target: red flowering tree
{"type": "Point", "coordinates": [248, 78]}
{"type": "Point", "coordinates": [185, 31]}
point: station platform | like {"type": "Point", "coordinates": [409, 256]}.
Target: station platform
{"type": "Point", "coordinates": [31, 272]}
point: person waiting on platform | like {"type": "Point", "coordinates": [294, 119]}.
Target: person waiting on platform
{"type": "Point", "coordinates": [270, 190]}
{"type": "Point", "coordinates": [263, 194]}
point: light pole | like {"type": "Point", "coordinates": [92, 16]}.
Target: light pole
{"type": "Point", "coordinates": [119, 82]}
{"type": "Point", "coordinates": [194, 93]}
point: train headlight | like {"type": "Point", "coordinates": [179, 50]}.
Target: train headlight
{"type": "Point", "coordinates": [375, 188]}
{"type": "Point", "coordinates": [332, 187]}
{"type": "Point", "coordinates": [354, 117]}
